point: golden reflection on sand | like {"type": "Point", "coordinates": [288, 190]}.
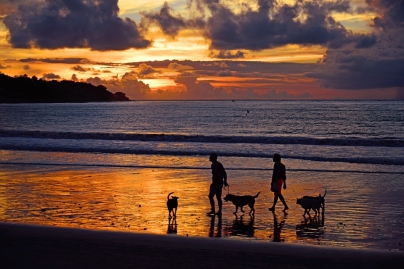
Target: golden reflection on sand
{"type": "Point", "coordinates": [134, 199]}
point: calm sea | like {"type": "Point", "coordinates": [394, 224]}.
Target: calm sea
{"type": "Point", "coordinates": [354, 149]}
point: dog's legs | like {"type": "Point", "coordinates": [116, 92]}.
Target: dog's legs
{"type": "Point", "coordinates": [241, 208]}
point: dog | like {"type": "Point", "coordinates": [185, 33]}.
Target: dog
{"type": "Point", "coordinates": [240, 201]}
{"type": "Point", "coordinates": [172, 204]}
{"type": "Point", "coordinates": [319, 198]}
{"type": "Point", "coordinates": [312, 202]}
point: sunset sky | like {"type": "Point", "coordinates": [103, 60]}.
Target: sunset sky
{"type": "Point", "coordinates": [210, 49]}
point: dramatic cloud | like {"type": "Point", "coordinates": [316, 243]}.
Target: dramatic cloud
{"type": "Point", "coordinates": [255, 81]}
{"type": "Point", "coordinates": [129, 84]}
{"type": "Point", "coordinates": [169, 24]}
{"type": "Point", "coordinates": [273, 25]}
{"type": "Point", "coordinates": [177, 66]}
{"type": "Point", "coordinates": [145, 70]}
{"type": "Point", "coordinates": [79, 68]}
{"type": "Point", "coordinates": [53, 24]}
{"type": "Point", "coordinates": [227, 54]}
{"type": "Point", "coordinates": [198, 89]}
{"type": "Point", "coordinates": [378, 66]}
{"type": "Point", "coordinates": [391, 13]}
{"type": "Point", "coordinates": [270, 25]}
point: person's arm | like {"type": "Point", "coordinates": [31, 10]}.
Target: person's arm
{"type": "Point", "coordinates": [284, 180]}
{"type": "Point", "coordinates": [225, 178]}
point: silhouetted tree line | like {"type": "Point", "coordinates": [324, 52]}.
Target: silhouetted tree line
{"type": "Point", "coordinates": [23, 89]}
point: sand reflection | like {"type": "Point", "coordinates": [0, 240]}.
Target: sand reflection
{"type": "Point", "coordinates": [215, 228]}
{"type": "Point", "coordinates": [311, 226]}
{"type": "Point", "coordinates": [135, 200]}
{"type": "Point", "coordinates": [172, 225]}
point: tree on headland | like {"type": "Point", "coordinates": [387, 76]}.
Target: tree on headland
{"type": "Point", "coordinates": [23, 89]}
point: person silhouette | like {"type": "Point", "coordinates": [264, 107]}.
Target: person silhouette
{"type": "Point", "coordinates": [279, 177]}
{"type": "Point", "coordinates": [219, 178]}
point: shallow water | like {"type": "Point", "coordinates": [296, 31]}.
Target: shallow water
{"type": "Point", "coordinates": [133, 199]}
{"type": "Point", "coordinates": [110, 166]}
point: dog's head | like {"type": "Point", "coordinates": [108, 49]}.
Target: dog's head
{"type": "Point", "coordinates": [229, 197]}
{"type": "Point", "coordinates": [299, 201]}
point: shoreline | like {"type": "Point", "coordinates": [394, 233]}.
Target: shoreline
{"type": "Point", "coordinates": [38, 246]}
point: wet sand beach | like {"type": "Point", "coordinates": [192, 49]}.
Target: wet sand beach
{"type": "Point", "coordinates": [133, 200]}
{"type": "Point", "coordinates": [33, 246]}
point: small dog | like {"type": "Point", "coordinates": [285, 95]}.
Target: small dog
{"type": "Point", "coordinates": [312, 202]}
{"type": "Point", "coordinates": [172, 204]}
{"type": "Point", "coordinates": [240, 201]}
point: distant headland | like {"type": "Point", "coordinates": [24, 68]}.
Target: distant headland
{"type": "Point", "coordinates": [23, 89]}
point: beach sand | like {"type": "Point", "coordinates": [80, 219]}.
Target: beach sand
{"type": "Point", "coordinates": [34, 246]}
{"type": "Point", "coordinates": [133, 200]}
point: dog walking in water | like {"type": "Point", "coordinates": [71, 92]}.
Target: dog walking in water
{"type": "Point", "coordinates": [240, 201]}
{"type": "Point", "coordinates": [172, 204]}
{"type": "Point", "coordinates": [314, 203]}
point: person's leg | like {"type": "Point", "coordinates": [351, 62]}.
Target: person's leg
{"type": "Point", "coordinates": [281, 182]}
{"type": "Point", "coordinates": [211, 201]}
{"type": "Point", "coordinates": [283, 202]}
{"type": "Point", "coordinates": [275, 201]}
{"type": "Point", "coordinates": [218, 192]}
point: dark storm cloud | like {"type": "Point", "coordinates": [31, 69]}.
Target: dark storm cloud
{"type": "Point", "coordinates": [227, 54]}
{"type": "Point", "coordinates": [273, 25]}
{"type": "Point", "coordinates": [53, 24]}
{"type": "Point", "coordinates": [169, 24]}
{"type": "Point", "coordinates": [355, 72]}
{"type": "Point", "coordinates": [379, 63]}
{"type": "Point", "coordinates": [391, 13]}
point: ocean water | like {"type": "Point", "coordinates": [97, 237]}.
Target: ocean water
{"type": "Point", "coordinates": [352, 149]}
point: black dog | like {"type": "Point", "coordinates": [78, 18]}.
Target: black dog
{"type": "Point", "coordinates": [240, 201]}
{"type": "Point", "coordinates": [312, 202]}
{"type": "Point", "coordinates": [318, 198]}
{"type": "Point", "coordinates": [172, 204]}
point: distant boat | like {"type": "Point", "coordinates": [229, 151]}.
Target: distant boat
{"type": "Point", "coordinates": [233, 100]}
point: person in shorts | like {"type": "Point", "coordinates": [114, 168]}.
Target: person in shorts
{"type": "Point", "coordinates": [219, 178]}
{"type": "Point", "coordinates": [279, 176]}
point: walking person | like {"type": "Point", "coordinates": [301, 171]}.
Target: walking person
{"type": "Point", "coordinates": [219, 178]}
{"type": "Point", "coordinates": [279, 179]}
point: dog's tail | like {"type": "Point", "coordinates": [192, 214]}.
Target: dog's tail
{"type": "Point", "coordinates": [257, 194]}
{"type": "Point", "coordinates": [325, 193]}
{"type": "Point", "coordinates": [168, 196]}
